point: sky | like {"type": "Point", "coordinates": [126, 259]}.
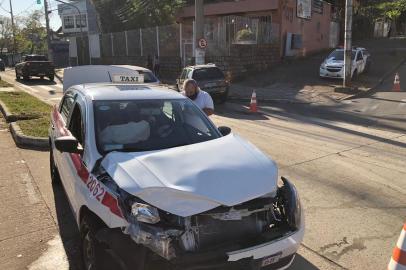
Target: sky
{"type": "Point", "coordinates": [24, 7]}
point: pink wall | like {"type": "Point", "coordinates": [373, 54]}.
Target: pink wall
{"type": "Point", "coordinates": [315, 32]}
{"type": "Point", "coordinates": [243, 6]}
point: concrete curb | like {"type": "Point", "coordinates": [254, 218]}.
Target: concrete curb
{"type": "Point", "coordinates": [380, 81]}
{"type": "Point", "coordinates": [276, 100]}
{"type": "Point", "coordinates": [28, 142]}
{"type": "Point", "coordinates": [6, 113]}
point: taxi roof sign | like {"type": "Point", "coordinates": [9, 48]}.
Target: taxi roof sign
{"type": "Point", "coordinates": [128, 78]}
{"type": "Point", "coordinates": [102, 74]}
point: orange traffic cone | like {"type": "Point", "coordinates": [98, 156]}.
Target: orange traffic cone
{"type": "Point", "coordinates": [398, 260]}
{"type": "Point", "coordinates": [396, 83]}
{"type": "Point", "coordinates": [253, 103]}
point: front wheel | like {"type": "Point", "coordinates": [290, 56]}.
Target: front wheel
{"type": "Point", "coordinates": [92, 251]}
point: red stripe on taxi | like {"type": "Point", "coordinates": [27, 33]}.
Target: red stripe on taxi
{"type": "Point", "coordinates": [80, 168]}
{"type": "Point", "coordinates": [111, 202]}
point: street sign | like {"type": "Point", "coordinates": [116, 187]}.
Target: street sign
{"type": "Point", "coordinates": [202, 43]}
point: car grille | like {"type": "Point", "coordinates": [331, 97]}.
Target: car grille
{"type": "Point", "coordinates": [334, 69]}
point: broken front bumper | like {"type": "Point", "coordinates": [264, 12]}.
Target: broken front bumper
{"type": "Point", "coordinates": [245, 258]}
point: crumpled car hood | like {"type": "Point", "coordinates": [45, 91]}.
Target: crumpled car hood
{"type": "Point", "coordinates": [192, 179]}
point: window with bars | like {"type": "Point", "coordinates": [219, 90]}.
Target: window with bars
{"type": "Point", "coordinates": [81, 21]}
{"type": "Point", "coordinates": [68, 22]}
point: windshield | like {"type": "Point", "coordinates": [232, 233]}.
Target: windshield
{"type": "Point", "coordinates": [145, 125]}
{"type": "Point", "coordinates": [149, 77]}
{"type": "Point", "coordinates": [208, 74]}
{"type": "Point", "coordinates": [339, 55]}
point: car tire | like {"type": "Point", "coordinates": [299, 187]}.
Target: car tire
{"type": "Point", "coordinates": [51, 77]}
{"type": "Point", "coordinates": [223, 98]}
{"type": "Point", "coordinates": [355, 74]}
{"type": "Point", "coordinates": [55, 177]}
{"type": "Point", "coordinates": [92, 250]}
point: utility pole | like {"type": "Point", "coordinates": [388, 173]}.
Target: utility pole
{"type": "Point", "coordinates": [14, 31]}
{"type": "Point", "coordinates": [199, 27]}
{"type": "Point", "coordinates": [48, 30]}
{"type": "Point", "coordinates": [348, 43]}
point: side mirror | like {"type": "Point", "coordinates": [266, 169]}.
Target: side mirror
{"type": "Point", "coordinates": [224, 130]}
{"type": "Point", "coordinates": [68, 144]}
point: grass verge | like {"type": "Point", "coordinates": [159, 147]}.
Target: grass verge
{"type": "Point", "coordinates": [23, 105]}
{"type": "Point", "coordinates": [35, 127]}
{"type": "Point", "coordinates": [5, 84]}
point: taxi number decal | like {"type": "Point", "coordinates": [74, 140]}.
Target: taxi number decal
{"type": "Point", "coordinates": [95, 189]}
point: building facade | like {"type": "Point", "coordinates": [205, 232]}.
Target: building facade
{"type": "Point", "coordinates": [301, 26]}
{"type": "Point", "coordinates": [74, 23]}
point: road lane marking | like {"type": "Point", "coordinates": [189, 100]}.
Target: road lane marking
{"type": "Point", "coordinates": [47, 87]}
{"type": "Point", "coordinates": [28, 88]}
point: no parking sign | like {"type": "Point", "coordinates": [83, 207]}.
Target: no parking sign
{"type": "Point", "coordinates": [202, 43]}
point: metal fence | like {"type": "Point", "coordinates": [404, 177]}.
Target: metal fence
{"type": "Point", "coordinates": [178, 39]}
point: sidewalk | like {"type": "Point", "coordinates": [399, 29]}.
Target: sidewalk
{"type": "Point", "coordinates": [297, 81]}
{"type": "Point", "coordinates": [28, 232]}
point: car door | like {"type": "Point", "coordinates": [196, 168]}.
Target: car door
{"type": "Point", "coordinates": [182, 79]}
{"type": "Point", "coordinates": [360, 62]}
{"type": "Point", "coordinates": [59, 119]}
{"type": "Point", "coordinates": [75, 172]}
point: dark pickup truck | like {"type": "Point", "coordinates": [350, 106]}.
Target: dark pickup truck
{"type": "Point", "coordinates": [35, 65]}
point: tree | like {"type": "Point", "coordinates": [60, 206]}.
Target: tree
{"type": "Point", "coordinates": [119, 15]}
{"type": "Point", "coordinates": [6, 34]}
{"type": "Point", "coordinates": [31, 34]}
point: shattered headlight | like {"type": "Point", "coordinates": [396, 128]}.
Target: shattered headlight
{"type": "Point", "coordinates": [145, 213]}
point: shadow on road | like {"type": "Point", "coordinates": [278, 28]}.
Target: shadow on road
{"type": "Point", "coordinates": [34, 82]}
{"type": "Point", "coordinates": [67, 228]}
{"type": "Point", "coordinates": [301, 263]}
{"type": "Point", "coordinates": [320, 115]}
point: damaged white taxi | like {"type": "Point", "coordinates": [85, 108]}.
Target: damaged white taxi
{"type": "Point", "coordinates": [152, 181]}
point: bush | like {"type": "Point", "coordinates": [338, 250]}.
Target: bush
{"type": "Point", "coordinates": [245, 35]}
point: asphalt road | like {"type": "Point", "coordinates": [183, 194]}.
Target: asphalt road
{"type": "Point", "coordinates": [348, 166]}
{"type": "Point", "coordinates": [50, 92]}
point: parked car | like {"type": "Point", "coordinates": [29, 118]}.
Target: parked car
{"type": "Point", "coordinates": [35, 65]}
{"type": "Point", "coordinates": [209, 78]}
{"type": "Point", "coordinates": [333, 65]}
{"type": "Point", "coordinates": [2, 65]}
{"type": "Point", "coordinates": [152, 180]}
